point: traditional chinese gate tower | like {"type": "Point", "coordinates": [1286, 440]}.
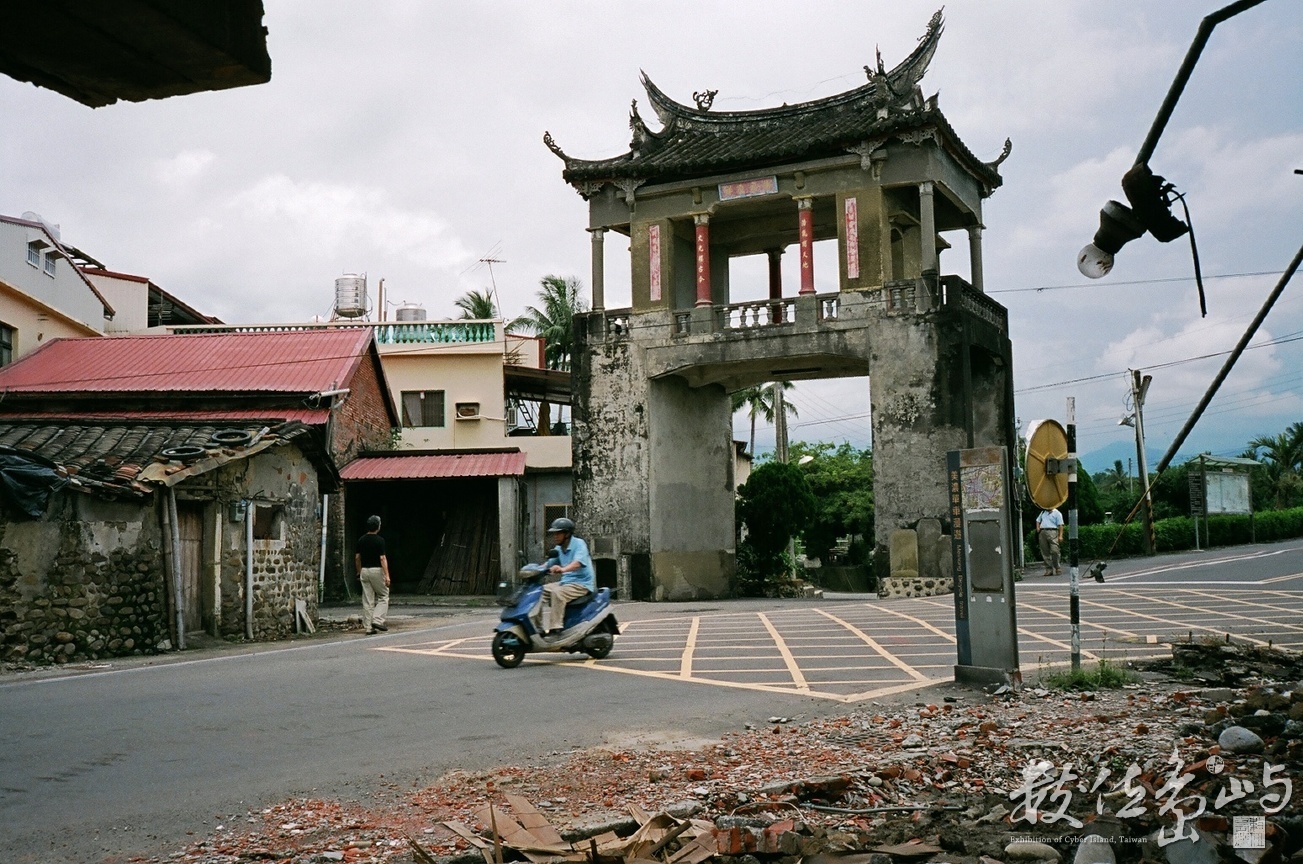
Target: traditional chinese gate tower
{"type": "Point", "coordinates": [879, 169]}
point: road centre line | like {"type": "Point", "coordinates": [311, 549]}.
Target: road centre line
{"type": "Point", "coordinates": [793, 667]}
{"type": "Point", "coordinates": [1211, 562]}
{"type": "Point", "coordinates": [872, 643]}
{"type": "Point", "coordinates": [1215, 614]}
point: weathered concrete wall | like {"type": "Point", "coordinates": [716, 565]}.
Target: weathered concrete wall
{"type": "Point", "coordinates": [691, 494]}
{"type": "Point", "coordinates": [83, 583]}
{"type": "Point", "coordinates": [610, 439]}
{"type": "Point", "coordinates": [917, 403]}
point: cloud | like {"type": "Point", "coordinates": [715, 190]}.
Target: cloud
{"type": "Point", "coordinates": [183, 168]}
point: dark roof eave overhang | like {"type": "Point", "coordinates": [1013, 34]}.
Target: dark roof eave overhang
{"type": "Point", "coordinates": [588, 176]}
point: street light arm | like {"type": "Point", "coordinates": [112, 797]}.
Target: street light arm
{"type": "Point", "coordinates": [1183, 74]}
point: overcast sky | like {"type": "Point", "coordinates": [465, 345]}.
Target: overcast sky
{"type": "Point", "coordinates": [403, 139]}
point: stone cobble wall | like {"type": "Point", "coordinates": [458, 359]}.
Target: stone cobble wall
{"type": "Point", "coordinates": [285, 565]}
{"type": "Point", "coordinates": [897, 586]}
{"type": "Point", "coordinates": [71, 593]}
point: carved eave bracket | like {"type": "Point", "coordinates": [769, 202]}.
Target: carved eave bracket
{"type": "Point", "coordinates": [872, 155]}
{"type": "Point", "coordinates": [1004, 154]}
{"type": "Point", "coordinates": [629, 185]}
{"type": "Point", "coordinates": [551, 144]}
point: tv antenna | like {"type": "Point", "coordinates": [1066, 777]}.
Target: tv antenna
{"type": "Point", "coordinates": [489, 261]}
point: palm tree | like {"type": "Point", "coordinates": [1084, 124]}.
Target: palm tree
{"type": "Point", "coordinates": [1282, 455]}
{"type": "Point", "coordinates": [476, 305]}
{"type": "Point", "coordinates": [553, 318]}
{"type": "Point", "coordinates": [1115, 477]}
{"type": "Point", "coordinates": [759, 402]}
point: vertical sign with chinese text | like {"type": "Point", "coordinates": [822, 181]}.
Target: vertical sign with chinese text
{"type": "Point", "coordinates": [654, 255]}
{"type": "Point", "coordinates": [852, 218]}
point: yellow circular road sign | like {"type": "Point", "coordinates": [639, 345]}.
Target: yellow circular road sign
{"type": "Point", "coordinates": [1045, 441]}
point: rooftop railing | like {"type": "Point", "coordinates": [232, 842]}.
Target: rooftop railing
{"type": "Point", "coordinates": [386, 332]}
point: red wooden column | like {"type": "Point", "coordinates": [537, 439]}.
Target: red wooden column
{"type": "Point", "coordinates": [703, 260]}
{"type": "Point", "coordinates": [805, 232]}
{"type": "Point", "coordinates": [775, 284]}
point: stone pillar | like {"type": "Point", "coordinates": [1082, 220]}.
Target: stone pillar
{"type": "Point", "coordinates": [927, 228]}
{"type": "Point", "coordinates": [775, 284]}
{"type": "Point", "coordinates": [805, 233]}
{"type": "Point", "coordinates": [703, 259]}
{"type": "Point", "coordinates": [975, 257]}
{"type": "Point", "coordinates": [599, 269]}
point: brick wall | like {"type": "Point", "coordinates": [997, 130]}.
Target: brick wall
{"type": "Point", "coordinates": [362, 421]}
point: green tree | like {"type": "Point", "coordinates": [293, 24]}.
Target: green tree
{"type": "Point", "coordinates": [841, 480]}
{"type": "Point", "coordinates": [553, 318]}
{"type": "Point", "coordinates": [776, 504]}
{"type": "Point", "coordinates": [1282, 459]}
{"type": "Point", "coordinates": [476, 305]}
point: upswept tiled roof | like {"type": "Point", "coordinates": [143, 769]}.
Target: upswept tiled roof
{"type": "Point", "coordinates": [134, 459]}
{"type": "Point", "coordinates": [695, 141]}
{"type": "Point", "coordinates": [308, 361]}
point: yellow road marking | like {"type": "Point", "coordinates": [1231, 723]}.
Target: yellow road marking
{"type": "Point", "coordinates": [1185, 624]}
{"type": "Point", "coordinates": [1091, 623]}
{"type": "Point", "coordinates": [1255, 604]}
{"type": "Point", "coordinates": [792, 667]}
{"type": "Point", "coordinates": [1203, 611]}
{"type": "Point", "coordinates": [1063, 646]}
{"type": "Point", "coordinates": [872, 643]}
{"type": "Point", "coordinates": [1276, 579]}
{"type": "Point", "coordinates": [686, 663]}
{"type": "Point", "coordinates": [919, 621]}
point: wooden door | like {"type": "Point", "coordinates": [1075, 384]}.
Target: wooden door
{"type": "Point", "coordinates": [190, 525]}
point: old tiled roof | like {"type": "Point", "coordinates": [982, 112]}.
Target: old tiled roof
{"type": "Point", "coordinates": [133, 459]}
{"type": "Point", "coordinates": [300, 362]}
{"type": "Point", "coordinates": [420, 466]}
{"type": "Point", "coordinates": [695, 141]}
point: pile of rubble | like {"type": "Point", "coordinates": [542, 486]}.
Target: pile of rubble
{"type": "Point", "coordinates": [1157, 772]}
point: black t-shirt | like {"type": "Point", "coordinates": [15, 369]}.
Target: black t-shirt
{"type": "Point", "coordinates": [371, 547]}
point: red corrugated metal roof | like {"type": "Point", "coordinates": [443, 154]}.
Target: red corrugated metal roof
{"type": "Point", "coordinates": [308, 416]}
{"type": "Point", "coordinates": [296, 361]}
{"type": "Point", "coordinates": [422, 466]}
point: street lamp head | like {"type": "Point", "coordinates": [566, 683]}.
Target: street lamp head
{"type": "Point", "coordinates": [1128, 420]}
{"type": "Point", "coordinates": [1117, 227]}
{"type": "Point", "coordinates": [805, 460]}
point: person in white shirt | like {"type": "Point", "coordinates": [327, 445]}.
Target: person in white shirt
{"type": "Point", "coordinates": [1049, 533]}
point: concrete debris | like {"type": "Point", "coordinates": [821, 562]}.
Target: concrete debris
{"type": "Point", "coordinates": [1028, 776]}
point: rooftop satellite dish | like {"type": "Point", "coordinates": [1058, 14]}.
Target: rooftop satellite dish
{"type": "Point", "coordinates": [1047, 446]}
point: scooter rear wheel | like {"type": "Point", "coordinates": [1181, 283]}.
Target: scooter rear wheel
{"type": "Point", "coordinates": [508, 651]}
{"type": "Point", "coordinates": [600, 652]}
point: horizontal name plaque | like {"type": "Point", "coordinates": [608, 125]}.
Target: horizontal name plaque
{"type": "Point", "coordinates": [748, 188]}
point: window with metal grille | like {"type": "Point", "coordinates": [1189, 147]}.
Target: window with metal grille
{"type": "Point", "coordinates": [49, 265]}
{"type": "Point", "coordinates": [555, 511]}
{"type": "Point", "coordinates": [6, 344]}
{"type": "Point", "coordinates": [423, 408]}
{"type": "Point", "coordinates": [34, 254]}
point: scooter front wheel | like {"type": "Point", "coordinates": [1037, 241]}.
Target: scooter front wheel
{"type": "Point", "coordinates": [508, 650]}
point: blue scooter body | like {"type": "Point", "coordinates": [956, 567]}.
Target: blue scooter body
{"type": "Point", "coordinates": [590, 626]}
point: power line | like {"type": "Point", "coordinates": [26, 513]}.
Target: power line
{"type": "Point", "coordinates": [1098, 285]}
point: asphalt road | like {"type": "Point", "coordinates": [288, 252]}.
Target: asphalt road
{"type": "Point", "coordinates": [130, 758]}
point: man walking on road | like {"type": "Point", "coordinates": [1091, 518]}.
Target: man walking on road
{"type": "Point", "coordinates": [373, 572]}
{"type": "Point", "coordinates": [1049, 532]}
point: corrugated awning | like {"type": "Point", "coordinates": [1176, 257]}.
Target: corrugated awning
{"type": "Point", "coordinates": [431, 466]}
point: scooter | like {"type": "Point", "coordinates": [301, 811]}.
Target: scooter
{"type": "Point", "coordinates": [590, 626]}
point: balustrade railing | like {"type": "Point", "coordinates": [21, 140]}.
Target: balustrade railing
{"type": "Point", "coordinates": [386, 332]}
{"type": "Point", "coordinates": [756, 314]}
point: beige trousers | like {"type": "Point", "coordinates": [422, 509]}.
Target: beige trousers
{"type": "Point", "coordinates": [1049, 538]}
{"type": "Point", "coordinates": [375, 596]}
{"type": "Point", "coordinates": [555, 598]}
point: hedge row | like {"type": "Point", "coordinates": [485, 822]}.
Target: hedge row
{"type": "Point", "coordinates": [1174, 535]}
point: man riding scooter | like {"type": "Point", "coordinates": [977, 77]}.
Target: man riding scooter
{"type": "Point", "coordinates": [570, 560]}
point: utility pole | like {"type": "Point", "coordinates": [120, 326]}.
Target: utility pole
{"type": "Point", "coordinates": [1139, 387]}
